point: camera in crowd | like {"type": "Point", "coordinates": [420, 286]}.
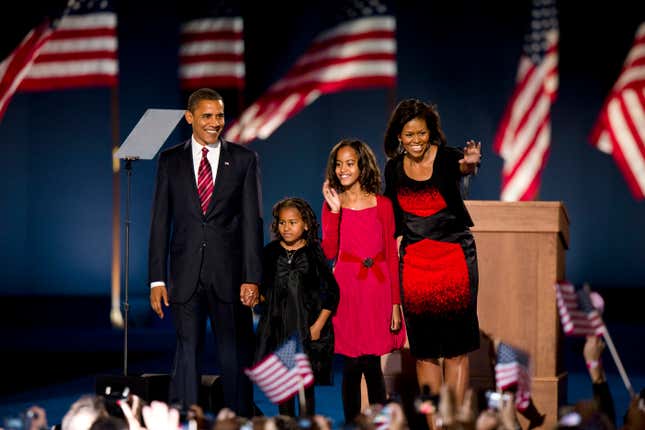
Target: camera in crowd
{"type": "Point", "coordinates": [426, 403]}
{"type": "Point", "coordinates": [112, 397]}
{"type": "Point", "coordinates": [24, 421]}
{"type": "Point", "coordinates": [495, 400]}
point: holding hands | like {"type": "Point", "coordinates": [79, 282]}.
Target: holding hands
{"type": "Point", "coordinates": [249, 294]}
{"type": "Point", "coordinates": [331, 197]}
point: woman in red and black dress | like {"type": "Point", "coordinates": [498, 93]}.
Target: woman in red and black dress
{"type": "Point", "coordinates": [437, 252]}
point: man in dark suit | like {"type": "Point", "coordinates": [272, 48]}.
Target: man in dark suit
{"type": "Point", "coordinates": [206, 226]}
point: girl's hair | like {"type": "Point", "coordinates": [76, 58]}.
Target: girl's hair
{"type": "Point", "coordinates": [370, 175]}
{"type": "Point", "coordinates": [307, 214]}
{"type": "Point", "coordinates": [406, 111]}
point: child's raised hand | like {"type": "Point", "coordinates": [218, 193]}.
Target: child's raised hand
{"type": "Point", "coordinates": [331, 197]}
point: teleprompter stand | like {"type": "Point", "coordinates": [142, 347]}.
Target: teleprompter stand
{"type": "Point", "coordinates": [143, 143]}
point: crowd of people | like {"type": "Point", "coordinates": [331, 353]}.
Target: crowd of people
{"type": "Point", "coordinates": [395, 266]}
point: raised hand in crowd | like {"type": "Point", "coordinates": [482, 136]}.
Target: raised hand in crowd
{"type": "Point", "coordinates": [38, 418]}
{"type": "Point", "coordinates": [390, 416]}
{"type": "Point", "coordinates": [592, 352]}
{"type": "Point", "coordinates": [502, 418]}
{"type": "Point", "coordinates": [156, 416]}
{"type": "Point", "coordinates": [635, 415]}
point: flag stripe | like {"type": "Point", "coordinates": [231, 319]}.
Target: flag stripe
{"type": "Point", "coordinates": [629, 153]}
{"type": "Point", "coordinates": [188, 51]}
{"type": "Point", "coordinates": [225, 58]}
{"type": "Point", "coordinates": [205, 81]}
{"type": "Point", "coordinates": [522, 184]}
{"type": "Point", "coordinates": [373, 41]}
{"type": "Point", "coordinates": [620, 128]}
{"type": "Point", "coordinates": [96, 45]}
{"type": "Point", "coordinates": [523, 138]}
{"type": "Point", "coordinates": [359, 26]}
{"type": "Point", "coordinates": [340, 72]}
{"type": "Point", "coordinates": [78, 55]}
{"type": "Point", "coordinates": [81, 52]}
{"type": "Point", "coordinates": [213, 25]}
{"type": "Point", "coordinates": [16, 66]}
{"type": "Point", "coordinates": [225, 35]}
{"type": "Point", "coordinates": [212, 53]}
{"type": "Point", "coordinates": [79, 81]}
{"type": "Point", "coordinates": [359, 53]}
{"type": "Point", "coordinates": [212, 68]}
{"type": "Point", "coordinates": [343, 58]}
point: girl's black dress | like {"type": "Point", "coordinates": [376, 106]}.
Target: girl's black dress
{"type": "Point", "coordinates": [297, 286]}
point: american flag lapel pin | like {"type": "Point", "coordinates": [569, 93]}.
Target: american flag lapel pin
{"type": "Point", "coordinates": [226, 163]}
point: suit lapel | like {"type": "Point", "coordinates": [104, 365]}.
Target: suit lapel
{"type": "Point", "coordinates": [189, 176]}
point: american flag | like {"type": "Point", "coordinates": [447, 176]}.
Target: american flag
{"type": "Point", "coordinates": [81, 51]}
{"type": "Point", "coordinates": [356, 50]}
{"type": "Point", "coordinates": [14, 68]}
{"type": "Point", "coordinates": [577, 313]}
{"type": "Point", "coordinates": [211, 53]}
{"type": "Point", "coordinates": [524, 135]}
{"type": "Point", "coordinates": [512, 370]}
{"type": "Point", "coordinates": [620, 129]}
{"type": "Point", "coordinates": [281, 373]}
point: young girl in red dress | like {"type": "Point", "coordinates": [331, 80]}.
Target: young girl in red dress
{"type": "Point", "coordinates": [358, 233]}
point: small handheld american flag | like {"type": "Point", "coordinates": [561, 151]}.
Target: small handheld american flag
{"type": "Point", "coordinates": [577, 314]}
{"type": "Point", "coordinates": [512, 370]}
{"type": "Point", "coordinates": [284, 372]}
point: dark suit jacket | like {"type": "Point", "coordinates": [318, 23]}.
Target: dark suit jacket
{"type": "Point", "coordinates": [228, 239]}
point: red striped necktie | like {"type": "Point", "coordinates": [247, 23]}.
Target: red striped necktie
{"type": "Point", "coordinates": [205, 181]}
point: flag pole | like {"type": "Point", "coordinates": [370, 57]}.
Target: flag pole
{"type": "Point", "coordinates": [116, 318]}
{"type": "Point", "coordinates": [612, 348]}
{"type": "Point", "coordinates": [619, 364]}
{"type": "Point", "coordinates": [301, 398]}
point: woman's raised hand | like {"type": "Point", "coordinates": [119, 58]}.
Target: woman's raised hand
{"type": "Point", "coordinates": [472, 153]}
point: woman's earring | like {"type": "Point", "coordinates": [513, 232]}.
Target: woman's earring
{"type": "Point", "coordinates": [401, 148]}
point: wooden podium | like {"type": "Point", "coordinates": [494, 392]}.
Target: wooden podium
{"type": "Point", "coordinates": [521, 254]}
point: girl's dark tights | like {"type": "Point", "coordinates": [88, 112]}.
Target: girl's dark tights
{"type": "Point", "coordinates": [353, 369]}
{"type": "Point", "coordinates": [288, 407]}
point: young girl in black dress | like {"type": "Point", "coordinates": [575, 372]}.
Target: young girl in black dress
{"type": "Point", "coordinates": [300, 293]}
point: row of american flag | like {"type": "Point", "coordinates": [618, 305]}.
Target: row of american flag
{"type": "Point", "coordinates": [356, 48]}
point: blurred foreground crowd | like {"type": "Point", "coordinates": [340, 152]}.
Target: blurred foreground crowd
{"type": "Point", "coordinates": [129, 412]}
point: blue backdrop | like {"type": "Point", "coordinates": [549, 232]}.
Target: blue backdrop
{"type": "Point", "coordinates": [56, 146]}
